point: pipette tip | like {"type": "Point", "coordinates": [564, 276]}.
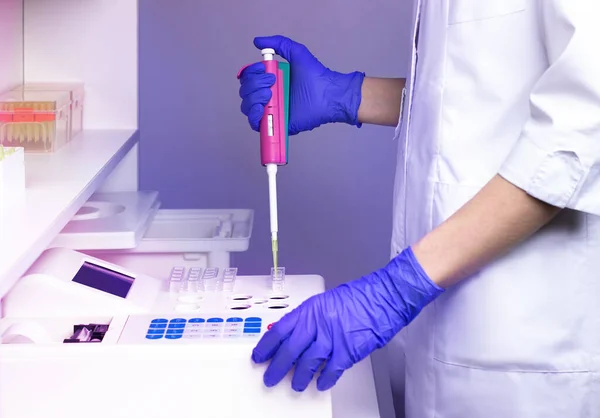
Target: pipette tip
{"type": "Point", "coordinates": [275, 252]}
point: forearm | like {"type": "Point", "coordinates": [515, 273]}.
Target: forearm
{"type": "Point", "coordinates": [500, 216]}
{"type": "Point", "coordinates": [380, 102]}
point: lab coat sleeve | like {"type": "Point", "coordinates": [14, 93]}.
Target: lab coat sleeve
{"type": "Point", "coordinates": [557, 157]}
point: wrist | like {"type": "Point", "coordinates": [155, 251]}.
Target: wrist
{"type": "Point", "coordinates": [411, 287]}
{"type": "Point", "coordinates": [407, 262]}
{"type": "Point", "coordinates": [346, 91]}
{"type": "Point", "coordinates": [437, 267]}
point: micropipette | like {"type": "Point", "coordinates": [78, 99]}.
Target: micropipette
{"type": "Point", "coordinates": [274, 136]}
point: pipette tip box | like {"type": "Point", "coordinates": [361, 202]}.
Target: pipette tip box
{"type": "Point", "coordinates": [37, 121]}
{"type": "Point", "coordinates": [76, 92]}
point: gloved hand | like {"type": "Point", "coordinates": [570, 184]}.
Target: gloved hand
{"type": "Point", "coordinates": [344, 325]}
{"type": "Point", "coordinates": [317, 94]}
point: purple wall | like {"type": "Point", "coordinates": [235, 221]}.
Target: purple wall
{"type": "Point", "coordinates": [197, 150]}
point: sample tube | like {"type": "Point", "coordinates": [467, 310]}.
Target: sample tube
{"type": "Point", "coordinates": [193, 279]}
{"type": "Point", "coordinates": [278, 279]}
{"type": "Point", "coordinates": [229, 275]}
{"type": "Point", "coordinates": [209, 279]}
{"type": "Point", "coordinates": [176, 280]}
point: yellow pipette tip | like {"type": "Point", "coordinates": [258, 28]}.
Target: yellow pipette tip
{"type": "Point", "coordinates": [275, 252]}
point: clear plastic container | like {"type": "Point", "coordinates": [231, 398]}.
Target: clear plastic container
{"type": "Point", "coordinates": [12, 177]}
{"type": "Point", "coordinates": [38, 121]}
{"type": "Point", "coordinates": [76, 95]}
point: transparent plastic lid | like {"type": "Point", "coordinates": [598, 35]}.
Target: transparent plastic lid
{"type": "Point", "coordinates": [76, 89]}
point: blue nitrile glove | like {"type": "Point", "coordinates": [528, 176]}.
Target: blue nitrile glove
{"type": "Point", "coordinates": [344, 325]}
{"type": "Point", "coordinates": [317, 94]}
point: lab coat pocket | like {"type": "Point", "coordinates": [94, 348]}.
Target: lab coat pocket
{"type": "Point", "coordinates": [464, 392]}
{"type": "Point", "coordinates": [532, 310]}
{"type": "Point", "coordinates": [464, 11]}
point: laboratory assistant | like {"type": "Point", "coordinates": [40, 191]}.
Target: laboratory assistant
{"type": "Point", "coordinates": [490, 305]}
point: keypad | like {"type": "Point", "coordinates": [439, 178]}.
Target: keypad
{"type": "Point", "coordinates": [208, 328]}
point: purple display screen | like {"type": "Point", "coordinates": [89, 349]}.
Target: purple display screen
{"type": "Point", "coordinates": [104, 279]}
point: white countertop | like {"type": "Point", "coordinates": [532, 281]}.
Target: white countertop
{"type": "Point", "coordinates": [57, 184]}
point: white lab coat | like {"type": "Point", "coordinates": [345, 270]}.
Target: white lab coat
{"type": "Point", "coordinates": [509, 87]}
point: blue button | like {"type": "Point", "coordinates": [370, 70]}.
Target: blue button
{"type": "Point", "coordinates": [174, 336]}
{"type": "Point", "coordinates": [163, 326]}
{"type": "Point", "coordinates": [196, 320]}
{"type": "Point", "coordinates": [251, 330]}
{"type": "Point", "coordinates": [156, 331]}
{"type": "Point", "coordinates": [177, 321]}
{"type": "Point", "coordinates": [215, 320]}
{"type": "Point", "coordinates": [154, 336]}
{"type": "Point", "coordinates": [253, 319]}
{"type": "Point", "coordinates": [175, 331]}
{"type": "Point", "coordinates": [172, 326]}
{"type": "Point", "coordinates": [235, 320]}
{"type": "Point", "coordinates": [159, 321]}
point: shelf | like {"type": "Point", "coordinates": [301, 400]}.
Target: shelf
{"type": "Point", "coordinates": [57, 186]}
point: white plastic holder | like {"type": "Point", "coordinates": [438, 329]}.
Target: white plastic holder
{"type": "Point", "coordinates": [12, 176]}
{"type": "Point", "coordinates": [188, 238]}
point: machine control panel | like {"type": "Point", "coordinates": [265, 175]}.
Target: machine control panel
{"type": "Point", "coordinates": [144, 329]}
{"type": "Point", "coordinates": [215, 327]}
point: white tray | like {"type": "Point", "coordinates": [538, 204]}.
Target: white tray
{"type": "Point", "coordinates": [197, 231]}
{"type": "Point", "coordinates": [110, 221]}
